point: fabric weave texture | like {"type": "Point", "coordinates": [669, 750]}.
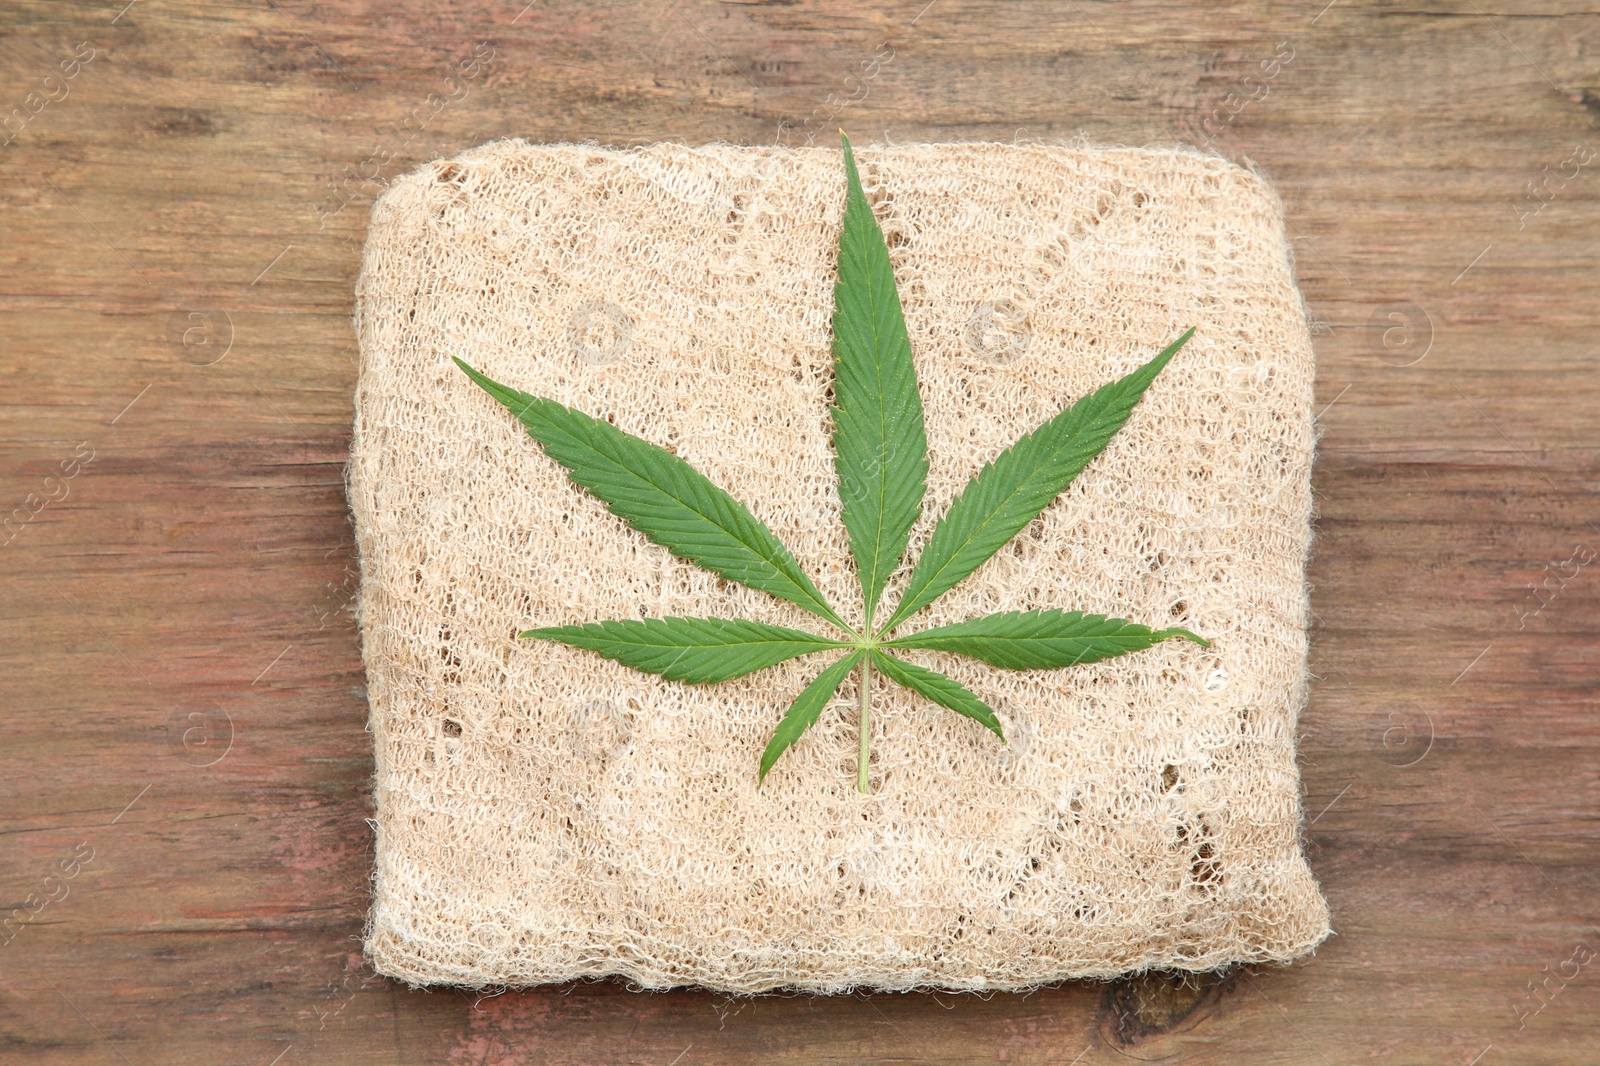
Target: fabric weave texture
{"type": "Point", "coordinates": [544, 814]}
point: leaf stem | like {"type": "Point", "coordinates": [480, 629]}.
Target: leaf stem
{"type": "Point", "coordinates": [866, 722]}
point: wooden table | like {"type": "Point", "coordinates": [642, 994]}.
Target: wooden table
{"type": "Point", "coordinates": [184, 769]}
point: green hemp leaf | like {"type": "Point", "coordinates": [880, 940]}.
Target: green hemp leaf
{"type": "Point", "coordinates": [881, 457]}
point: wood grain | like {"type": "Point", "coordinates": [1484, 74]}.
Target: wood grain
{"type": "Point", "coordinates": [184, 685]}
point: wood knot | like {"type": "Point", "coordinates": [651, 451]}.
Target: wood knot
{"type": "Point", "coordinates": [1149, 1004]}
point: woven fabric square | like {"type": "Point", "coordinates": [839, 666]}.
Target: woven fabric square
{"type": "Point", "coordinates": [544, 814]}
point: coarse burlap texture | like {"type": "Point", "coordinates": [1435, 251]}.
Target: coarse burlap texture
{"type": "Point", "coordinates": [544, 814]}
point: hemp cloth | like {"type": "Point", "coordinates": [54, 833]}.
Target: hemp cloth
{"type": "Point", "coordinates": [545, 814]}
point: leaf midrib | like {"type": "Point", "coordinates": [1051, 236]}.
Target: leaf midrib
{"type": "Point", "coordinates": [873, 293]}
{"type": "Point", "coordinates": [603, 445]}
{"type": "Point", "coordinates": [900, 613]}
{"type": "Point", "coordinates": [818, 642]}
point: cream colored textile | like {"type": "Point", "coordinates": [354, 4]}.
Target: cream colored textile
{"type": "Point", "coordinates": [545, 814]}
